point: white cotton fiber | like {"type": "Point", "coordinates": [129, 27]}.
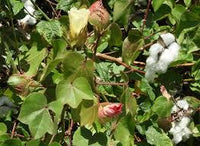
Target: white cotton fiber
{"type": "Point", "coordinates": [160, 57]}
{"type": "Point", "coordinates": [179, 129]}
{"type": "Point", "coordinates": [167, 38]}
{"type": "Point", "coordinates": [155, 50]}
{"type": "Point", "coordinates": [29, 10]}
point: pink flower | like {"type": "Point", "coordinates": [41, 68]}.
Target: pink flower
{"type": "Point", "coordinates": [109, 110]}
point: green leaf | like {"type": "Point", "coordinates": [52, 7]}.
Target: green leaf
{"type": "Point", "coordinates": [156, 4]}
{"type": "Point", "coordinates": [84, 137]}
{"type": "Point", "coordinates": [59, 48]}
{"type": "Point", "coordinates": [146, 88]}
{"type": "Point", "coordinates": [124, 131]}
{"type": "Point", "coordinates": [187, 3]}
{"type": "Point", "coordinates": [3, 128]}
{"type": "Point", "coordinates": [196, 71]}
{"type": "Point", "coordinates": [130, 102]}
{"type": "Point", "coordinates": [75, 64]}
{"type": "Point", "coordinates": [34, 112]}
{"type": "Point", "coordinates": [115, 35]}
{"type": "Point", "coordinates": [3, 138]}
{"type": "Point", "coordinates": [88, 114]}
{"type": "Point", "coordinates": [157, 137]}
{"type": "Point", "coordinates": [49, 30]}
{"type": "Point", "coordinates": [122, 10]}
{"type": "Point", "coordinates": [189, 20]}
{"type": "Point", "coordinates": [48, 69]}
{"type": "Point", "coordinates": [54, 144]}
{"type": "Point", "coordinates": [178, 11]}
{"type": "Point", "coordinates": [34, 59]}
{"type": "Point", "coordinates": [194, 102]}
{"type": "Point", "coordinates": [131, 46]}
{"type": "Point", "coordinates": [162, 107]}
{"type": "Point", "coordinates": [12, 142]}
{"type": "Point", "coordinates": [73, 92]}
{"type": "Point", "coordinates": [81, 136]}
{"type": "Point", "coordinates": [64, 5]}
{"type": "Point", "coordinates": [17, 6]}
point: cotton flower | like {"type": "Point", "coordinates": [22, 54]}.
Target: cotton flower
{"type": "Point", "coordinates": [29, 10]}
{"type": "Point", "coordinates": [109, 110]}
{"type": "Point", "coordinates": [78, 20]}
{"type": "Point", "coordinates": [179, 129]}
{"type": "Point", "coordinates": [160, 57]}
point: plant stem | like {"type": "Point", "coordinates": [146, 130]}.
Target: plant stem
{"type": "Point", "coordinates": [146, 14]}
{"type": "Point", "coordinates": [13, 129]}
{"type": "Point", "coordinates": [107, 57]}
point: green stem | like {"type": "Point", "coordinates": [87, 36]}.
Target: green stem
{"type": "Point", "coordinates": [45, 16]}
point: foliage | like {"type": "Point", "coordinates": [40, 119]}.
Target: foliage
{"type": "Point", "coordinates": [53, 84]}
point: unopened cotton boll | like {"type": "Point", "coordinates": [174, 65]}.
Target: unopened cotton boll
{"type": "Point", "coordinates": [167, 38]}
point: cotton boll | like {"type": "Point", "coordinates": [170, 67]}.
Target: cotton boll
{"type": "Point", "coordinates": [164, 61]}
{"type": "Point", "coordinates": [155, 50]}
{"type": "Point", "coordinates": [174, 50]}
{"type": "Point", "coordinates": [181, 104]}
{"type": "Point", "coordinates": [150, 75]}
{"type": "Point", "coordinates": [167, 38]}
{"type": "Point", "coordinates": [29, 10]}
{"type": "Point", "coordinates": [150, 62]}
{"type": "Point", "coordinates": [28, 20]}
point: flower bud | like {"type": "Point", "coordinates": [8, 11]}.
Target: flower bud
{"type": "Point", "coordinates": [78, 20]}
{"type": "Point", "coordinates": [99, 17]}
{"type": "Point", "coordinates": [22, 84]}
{"type": "Point", "coordinates": [107, 111]}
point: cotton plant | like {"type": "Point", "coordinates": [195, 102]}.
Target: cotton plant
{"type": "Point", "coordinates": [29, 19]}
{"type": "Point", "coordinates": [161, 55]}
{"type": "Point", "coordinates": [181, 121]}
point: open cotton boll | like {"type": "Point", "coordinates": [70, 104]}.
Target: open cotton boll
{"type": "Point", "coordinates": [167, 38]}
{"type": "Point", "coordinates": [28, 20]}
{"type": "Point", "coordinates": [155, 50]}
{"type": "Point", "coordinates": [29, 10]}
{"type": "Point", "coordinates": [181, 104]}
{"type": "Point", "coordinates": [150, 62]}
{"type": "Point", "coordinates": [164, 61]}
{"type": "Point", "coordinates": [174, 50]}
{"type": "Point", "coordinates": [150, 75]}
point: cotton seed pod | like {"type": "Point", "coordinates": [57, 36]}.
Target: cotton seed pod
{"type": "Point", "coordinates": [166, 39]}
{"type": "Point", "coordinates": [99, 16]}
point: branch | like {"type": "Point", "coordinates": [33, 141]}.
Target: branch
{"type": "Point", "coordinates": [13, 129]}
{"type": "Point", "coordinates": [146, 14]}
{"type": "Point", "coordinates": [117, 60]}
{"type": "Point", "coordinates": [185, 64]}
{"type": "Point", "coordinates": [111, 83]}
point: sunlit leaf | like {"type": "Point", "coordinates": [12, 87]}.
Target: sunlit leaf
{"type": "Point", "coordinates": [73, 92]}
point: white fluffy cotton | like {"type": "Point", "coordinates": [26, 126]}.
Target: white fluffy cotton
{"type": "Point", "coordinates": [167, 38]}
{"type": "Point", "coordinates": [179, 129]}
{"type": "Point", "coordinates": [160, 57]}
{"type": "Point", "coordinates": [29, 10]}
